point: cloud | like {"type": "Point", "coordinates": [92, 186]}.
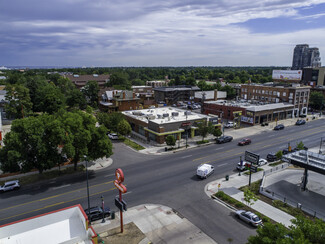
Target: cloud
{"type": "Point", "coordinates": [142, 32]}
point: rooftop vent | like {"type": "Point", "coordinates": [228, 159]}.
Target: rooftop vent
{"type": "Point", "coordinates": [174, 114]}
{"type": "Point", "coordinates": [95, 75]}
{"type": "Point", "coordinates": [75, 75]}
{"type": "Point", "coordinates": [165, 115]}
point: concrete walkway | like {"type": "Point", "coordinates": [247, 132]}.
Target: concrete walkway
{"type": "Point", "coordinates": [160, 224]}
{"type": "Point", "coordinates": [231, 187]}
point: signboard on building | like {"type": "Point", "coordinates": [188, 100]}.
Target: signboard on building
{"type": "Point", "coordinates": [287, 74]}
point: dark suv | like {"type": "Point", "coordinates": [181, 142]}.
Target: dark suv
{"type": "Point", "coordinates": [271, 157]}
{"type": "Point", "coordinates": [224, 139]}
{"type": "Point", "coordinates": [97, 213]}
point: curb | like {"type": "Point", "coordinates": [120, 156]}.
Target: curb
{"type": "Point", "coordinates": [223, 203]}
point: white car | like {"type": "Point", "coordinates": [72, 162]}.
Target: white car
{"type": "Point", "coordinates": [113, 136]}
{"type": "Point", "coordinates": [10, 185]}
{"type": "Point", "coordinates": [262, 161]}
{"type": "Point", "coordinates": [249, 217]}
{"type": "Point", "coordinates": [230, 125]}
{"type": "Point", "coordinates": [204, 170]}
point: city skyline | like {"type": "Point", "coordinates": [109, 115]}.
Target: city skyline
{"type": "Point", "coordinates": [159, 33]}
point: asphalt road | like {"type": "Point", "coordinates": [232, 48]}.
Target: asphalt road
{"type": "Point", "coordinates": [167, 179]}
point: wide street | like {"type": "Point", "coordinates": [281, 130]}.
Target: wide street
{"type": "Point", "coordinates": [161, 179]}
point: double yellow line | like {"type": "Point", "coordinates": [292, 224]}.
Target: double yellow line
{"type": "Point", "coordinates": [55, 204]}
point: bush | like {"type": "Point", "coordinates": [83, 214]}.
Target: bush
{"type": "Point", "coordinates": [202, 142]}
{"type": "Point", "coordinates": [239, 205]}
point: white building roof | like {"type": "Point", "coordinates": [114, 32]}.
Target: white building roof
{"type": "Point", "coordinates": [68, 225]}
{"type": "Point", "coordinates": [164, 115]}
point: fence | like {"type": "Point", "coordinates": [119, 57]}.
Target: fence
{"type": "Point", "coordinates": [275, 196]}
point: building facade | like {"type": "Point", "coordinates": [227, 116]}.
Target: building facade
{"type": "Point", "coordinates": [119, 100]}
{"type": "Point", "coordinates": [294, 94]}
{"type": "Point", "coordinates": [314, 76]}
{"type": "Point", "coordinates": [173, 94]}
{"type": "Point", "coordinates": [81, 80]}
{"type": "Point", "coordinates": [304, 56]}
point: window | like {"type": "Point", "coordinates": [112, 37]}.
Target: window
{"type": "Point", "coordinates": [284, 94]}
{"type": "Point", "coordinates": [263, 91]}
{"type": "Point", "coordinates": [266, 92]}
{"type": "Point", "coordinates": [274, 92]}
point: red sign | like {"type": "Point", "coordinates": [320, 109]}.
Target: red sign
{"type": "Point", "coordinates": [119, 175]}
{"type": "Point", "coordinates": [120, 186]}
{"type": "Point", "coordinates": [185, 124]}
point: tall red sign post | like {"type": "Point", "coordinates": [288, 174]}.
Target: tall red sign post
{"type": "Point", "coordinates": [121, 188]}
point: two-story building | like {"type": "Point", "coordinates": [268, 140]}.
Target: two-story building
{"type": "Point", "coordinates": [172, 94]}
{"type": "Point", "coordinates": [81, 80]}
{"type": "Point", "coordinates": [119, 100]}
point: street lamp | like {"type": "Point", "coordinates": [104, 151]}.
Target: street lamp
{"type": "Point", "coordinates": [186, 132]}
{"type": "Point", "coordinates": [87, 185]}
{"type": "Point", "coordinates": [102, 197]}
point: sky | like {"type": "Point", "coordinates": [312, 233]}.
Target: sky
{"type": "Point", "coordinates": [107, 33]}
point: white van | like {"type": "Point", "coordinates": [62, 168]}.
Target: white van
{"type": "Point", "coordinates": [204, 170]}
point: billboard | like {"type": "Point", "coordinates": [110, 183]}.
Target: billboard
{"type": "Point", "coordinates": [287, 74]}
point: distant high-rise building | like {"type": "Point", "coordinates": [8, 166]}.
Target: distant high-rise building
{"type": "Point", "coordinates": [304, 56]}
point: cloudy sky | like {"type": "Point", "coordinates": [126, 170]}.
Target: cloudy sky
{"type": "Point", "coordinates": [158, 32]}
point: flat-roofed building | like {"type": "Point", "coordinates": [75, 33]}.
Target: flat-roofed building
{"type": "Point", "coordinates": [295, 94]}
{"type": "Point", "coordinates": [157, 123]}
{"type": "Point", "coordinates": [172, 94]}
{"type": "Point", "coordinates": [67, 225]}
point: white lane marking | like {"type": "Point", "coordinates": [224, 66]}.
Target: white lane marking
{"type": "Point", "coordinates": [271, 135]}
{"type": "Point", "coordinates": [308, 126]}
{"type": "Point", "coordinates": [58, 187]}
{"type": "Point", "coordinates": [109, 175]}
{"type": "Point", "coordinates": [304, 140]}
{"type": "Point", "coordinates": [187, 156]}
{"type": "Point", "coordinates": [221, 165]}
{"type": "Point", "coordinates": [219, 148]}
{"type": "Point", "coordinates": [128, 192]}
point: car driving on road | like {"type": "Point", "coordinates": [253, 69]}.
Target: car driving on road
{"type": "Point", "coordinates": [244, 141]}
{"type": "Point", "coordinates": [204, 170]}
{"type": "Point", "coordinates": [301, 122]}
{"type": "Point", "coordinates": [249, 217]}
{"type": "Point", "coordinates": [223, 139]}
{"type": "Point", "coordinates": [96, 213]}
{"type": "Point", "coordinates": [279, 127]}
{"type": "Point", "coordinates": [10, 185]}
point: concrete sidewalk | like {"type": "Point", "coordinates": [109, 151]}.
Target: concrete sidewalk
{"type": "Point", "coordinates": [160, 224]}
{"type": "Point", "coordinates": [231, 187]}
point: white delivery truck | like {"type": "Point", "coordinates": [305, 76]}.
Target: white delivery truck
{"type": "Point", "coordinates": [204, 170]}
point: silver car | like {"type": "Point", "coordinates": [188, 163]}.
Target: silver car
{"type": "Point", "coordinates": [10, 185]}
{"type": "Point", "coordinates": [249, 217]}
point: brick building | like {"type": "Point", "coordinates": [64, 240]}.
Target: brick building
{"type": "Point", "coordinates": [145, 94]}
{"type": "Point", "coordinates": [118, 100]}
{"type": "Point", "coordinates": [173, 94]}
{"type": "Point", "coordinates": [294, 94]}
{"type": "Point", "coordinates": [81, 80]}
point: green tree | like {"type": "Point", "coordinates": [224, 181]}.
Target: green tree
{"type": "Point", "coordinates": [249, 197]}
{"type": "Point", "coordinates": [303, 230]}
{"type": "Point", "coordinates": [83, 138]}
{"type": "Point", "coordinates": [279, 155]}
{"type": "Point", "coordinates": [316, 100]}
{"type": "Point", "coordinates": [124, 128]}
{"type": "Point", "coordinates": [300, 145]}
{"type": "Point", "coordinates": [170, 140]}
{"type": "Point", "coordinates": [48, 99]}
{"type": "Point", "coordinates": [76, 99]}
{"type": "Point", "coordinates": [217, 132]}
{"type": "Point", "coordinates": [110, 121]}
{"type": "Point", "coordinates": [91, 90]}
{"type": "Point", "coordinates": [119, 78]}
{"type": "Point", "coordinates": [19, 103]}
{"type": "Point", "coordinates": [33, 143]}
{"type": "Point", "coordinates": [204, 128]}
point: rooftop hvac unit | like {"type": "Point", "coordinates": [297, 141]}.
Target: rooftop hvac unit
{"type": "Point", "coordinates": [151, 116]}
{"type": "Point", "coordinates": [174, 114]}
{"type": "Point", "coordinates": [187, 113]}
{"type": "Point", "coordinates": [159, 116]}
{"type": "Point", "coordinates": [165, 115]}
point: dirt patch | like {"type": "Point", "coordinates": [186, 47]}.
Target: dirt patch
{"type": "Point", "coordinates": [131, 235]}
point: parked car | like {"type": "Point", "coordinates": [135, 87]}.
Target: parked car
{"type": "Point", "coordinates": [113, 136]}
{"type": "Point", "coordinates": [262, 161]}
{"type": "Point", "coordinates": [279, 127]}
{"type": "Point", "coordinates": [230, 125]}
{"type": "Point", "coordinates": [96, 213]}
{"type": "Point", "coordinates": [241, 166]}
{"type": "Point", "coordinates": [244, 141]}
{"type": "Point", "coordinates": [301, 122]}
{"type": "Point", "coordinates": [271, 157]}
{"type": "Point", "coordinates": [223, 139]}
{"type": "Point", "coordinates": [204, 170]}
{"type": "Point", "coordinates": [10, 185]}
{"type": "Point", "coordinates": [249, 217]}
